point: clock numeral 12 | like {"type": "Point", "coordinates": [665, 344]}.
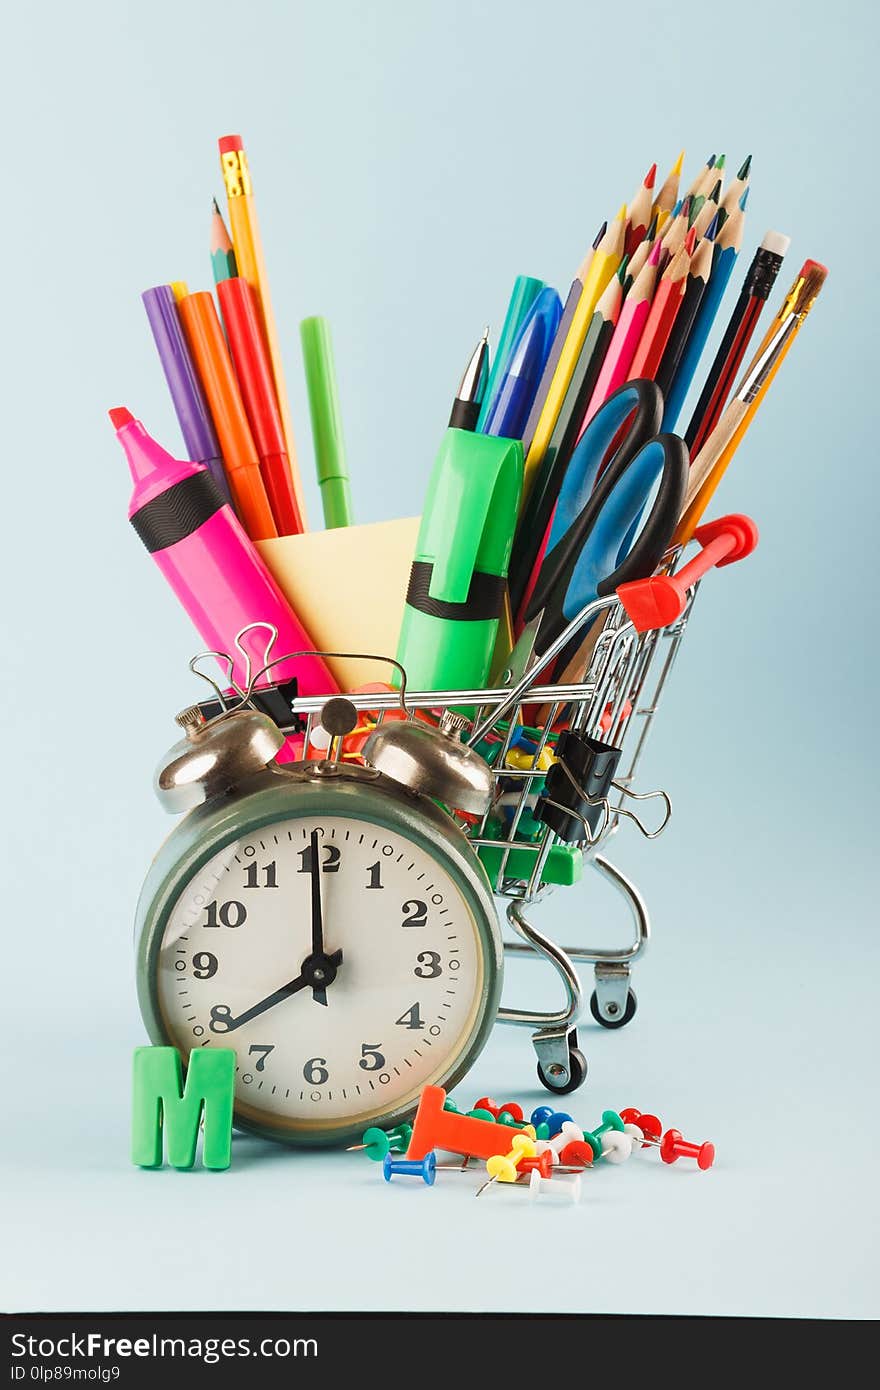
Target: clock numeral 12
{"type": "Point", "coordinates": [252, 874]}
{"type": "Point", "coordinates": [329, 865]}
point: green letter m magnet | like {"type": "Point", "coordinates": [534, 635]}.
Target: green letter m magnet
{"type": "Point", "coordinates": [458, 579]}
{"type": "Point", "coordinates": [161, 1106]}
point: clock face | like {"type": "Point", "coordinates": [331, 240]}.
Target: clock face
{"type": "Point", "coordinates": [340, 961]}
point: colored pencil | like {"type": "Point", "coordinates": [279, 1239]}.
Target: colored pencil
{"type": "Point", "coordinates": [639, 257]}
{"type": "Point", "coordinates": [523, 295]}
{"type": "Point", "coordinates": [738, 186]}
{"type": "Point", "coordinates": [222, 253]}
{"type": "Point", "coordinates": [605, 261]}
{"type": "Point", "coordinates": [699, 270]}
{"type": "Point", "coordinates": [627, 334]}
{"type": "Point", "coordinates": [208, 347]}
{"type": "Point", "coordinates": [639, 212]}
{"type": "Point", "coordinates": [706, 211]}
{"type": "Point", "coordinates": [724, 254]}
{"type": "Point", "coordinates": [668, 196]}
{"type": "Point", "coordinates": [253, 369]}
{"type": "Point", "coordinates": [536, 515]}
{"type": "Point", "coordinates": [710, 463]}
{"type": "Point", "coordinates": [673, 238]}
{"type": "Point", "coordinates": [660, 320]}
{"type": "Point", "coordinates": [760, 278]}
{"type": "Point", "coordinates": [252, 265]}
{"type": "Point", "coordinates": [710, 176]}
{"type": "Point", "coordinates": [701, 177]}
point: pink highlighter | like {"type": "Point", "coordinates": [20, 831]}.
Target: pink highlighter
{"type": "Point", "coordinates": [202, 549]}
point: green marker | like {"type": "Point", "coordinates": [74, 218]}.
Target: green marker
{"type": "Point", "coordinates": [457, 584]}
{"type": "Point", "coordinates": [326, 422]}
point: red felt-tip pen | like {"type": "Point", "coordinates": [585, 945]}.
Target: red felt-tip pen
{"type": "Point", "coordinates": [253, 368]}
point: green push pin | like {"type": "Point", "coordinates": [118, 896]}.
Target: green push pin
{"type": "Point", "coordinates": [376, 1143]}
{"type": "Point", "coordinates": [505, 1118]}
{"type": "Point", "coordinates": [481, 1115]}
{"type": "Point", "coordinates": [450, 1105]}
{"type": "Point", "coordinates": [542, 1131]}
{"type": "Point", "coordinates": [610, 1120]}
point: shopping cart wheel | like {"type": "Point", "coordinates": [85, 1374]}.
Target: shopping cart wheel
{"type": "Point", "coordinates": [629, 1012]}
{"type": "Point", "coordinates": [577, 1071]}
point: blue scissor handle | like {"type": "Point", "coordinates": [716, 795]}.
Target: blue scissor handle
{"type": "Point", "coordinates": [638, 405]}
{"type": "Point", "coordinates": [604, 545]}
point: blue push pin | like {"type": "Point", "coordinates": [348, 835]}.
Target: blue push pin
{"type": "Point", "coordinates": [425, 1168]}
{"type": "Point", "coordinates": [541, 1115]}
{"type": "Point", "coordinates": [556, 1120]}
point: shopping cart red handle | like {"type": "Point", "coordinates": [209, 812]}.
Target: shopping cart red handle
{"type": "Point", "coordinates": [659, 600]}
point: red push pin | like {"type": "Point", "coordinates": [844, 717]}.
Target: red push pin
{"type": "Point", "coordinates": [577, 1154]}
{"type": "Point", "coordinates": [672, 1147]}
{"type": "Point", "coordinates": [511, 1108]}
{"type": "Point", "coordinates": [542, 1163]}
{"type": "Point", "coordinates": [648, 1124]}
{"type": "Point", "coordinates": [487, 1103]}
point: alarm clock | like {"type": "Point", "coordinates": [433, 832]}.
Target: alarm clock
{"type": "Point", "coordinates": [329, 922]}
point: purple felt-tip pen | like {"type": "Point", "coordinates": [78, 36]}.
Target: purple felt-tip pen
{"type": "Point", "coordinates": [190, 405]}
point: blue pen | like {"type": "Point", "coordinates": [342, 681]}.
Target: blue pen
{"type": "Point", "coordinates": [516, 391]}
{"type": "Point", "coordinates": [523, 295]}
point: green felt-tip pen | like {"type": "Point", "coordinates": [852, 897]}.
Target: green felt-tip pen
{"type": "Point", "coordinates": [326, 419]}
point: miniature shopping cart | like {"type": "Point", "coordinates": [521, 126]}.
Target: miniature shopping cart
{"type": "Point", "coordinates": [565, 758]}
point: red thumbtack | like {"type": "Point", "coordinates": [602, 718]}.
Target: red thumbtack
{"type": "Point", "coordinates": [577, 1153]}
{"type": "Point", "coordinates": [487, 1103]}
{"type": "Point", "coordinates": [512, 1109]}
{"type": "Point", "coordinates": [542, 1164]}
{"type": "Point", "coordinates": [648, 1124]}
{"type": "Point", "coordinates": [672, 1147]}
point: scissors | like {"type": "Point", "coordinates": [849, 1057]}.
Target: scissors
{"type": "Point", "coordinates": [597, 539]}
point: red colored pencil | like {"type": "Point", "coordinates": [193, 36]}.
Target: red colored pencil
{"type": "Point", "coordinates": [638, 214]}
{"type": "Point", "coordinates": [666, 304]}
{"type": "Point", "coordinates": [253, 368]}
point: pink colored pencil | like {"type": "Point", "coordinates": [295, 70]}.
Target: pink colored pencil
{"type": "Point", "coordinates": [622, 348]}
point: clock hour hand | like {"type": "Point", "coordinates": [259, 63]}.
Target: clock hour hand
{"type": "Point", "coordinates": [277, 996]}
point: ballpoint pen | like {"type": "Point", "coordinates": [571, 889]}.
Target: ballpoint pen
{"type": "Point", "coordinates": [469, 396]}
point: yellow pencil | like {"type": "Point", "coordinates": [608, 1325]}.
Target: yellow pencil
{"type": "Point", "coordinates": [252, 267]}
{"type": "Point", "coordinates": [604, 263]}
{"type": "Point", "coordinates": [708, 467]}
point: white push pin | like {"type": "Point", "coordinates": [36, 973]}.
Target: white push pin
{"type": "Point", "coordinates": [556, 1189]}
{"type": "Point", "coordinates": [319, 738]}
{"type": "Point", "coordinates": [616, 1147]}
{"type": "Point", "coordinates": [638, 1137]}
{"type": "Point", "coordinates": [568, 1133]}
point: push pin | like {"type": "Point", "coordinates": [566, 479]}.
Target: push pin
{"type": "Point", "coordinates": [541, 1115]}
{"type": "Point", "coordinates": [480, 1115]}
{"type": "Point", "coordinates": [541, 1163]}
{"type": "Point", "coordinates": [504, 1117]}
{"type": "Point", "coordinates": [576, 1154]}
{"type": "Point", "coordinates": [556, 1189]}
{"type": "Point", "coordinates": [610, 1121]}
{"type": "Point", "coordinates": [376, 1143]}
{"type": "Point", "coordinates": [673, 1147]}
{"type": "Point", "coordinates": [503, 1167]}
{"type": "Point", "coordinates": [515, 1112]}
{"type": "Point", "coordinates": [487, 1103]}
{"type": "Point", "coordinates": [568, 1134]}
{"type": "Point", "coordinates": [556, 1119]}
{"type": "Point", "coordinates": [616, 1146]}
{"type": "Point", "coordinates": [450, 1105]}
{"type": "Point", "coordinates": [649, 1124]}
{"type": "Point", "coordinates": [426, 1168]}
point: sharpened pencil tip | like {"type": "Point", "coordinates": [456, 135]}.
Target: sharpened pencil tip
{"type": "Point", "coordinates": [599, 235]}
{"type": "Point", "coordinates": [744, 199]}
{"type": "Point", "coordinates": [621, 216]}
{"type": "Point", "coordinates": [656, 249]}
{"type": "Point", "coordinates": [712, 229]}
{"type": "Point", "coordinates": [652, 230]}
{"type": "Point", "coordinates": [745, 167]}
{"type": "Point", "coordinates": [719, 162]}
{"type": "Point", "coordinates": [677, 166]}
{"type": "Point", "coordinates": [621, 269]}
{"type": "Point", "coordinates": [690, 241]}
{"type": "Point", "coordinates": [710, 162]}
{"type": "Point", "coordinates": [215, 207]}
{"type": "Point", "coordinates": [715, 195]}
{"type": "Point", "coordinates": [651, 176]}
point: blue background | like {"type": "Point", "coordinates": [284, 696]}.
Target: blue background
{"type": "Point", "coordinates": [409, 161]}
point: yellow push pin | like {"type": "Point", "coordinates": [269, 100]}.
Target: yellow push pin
{"type": "Point", "coordinates": [502, 1167]}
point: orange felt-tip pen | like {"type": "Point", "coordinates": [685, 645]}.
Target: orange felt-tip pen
{"type": "Point", "coordinates": [205, 336]}
{"type": "Point", "coordinates": [253, 368]}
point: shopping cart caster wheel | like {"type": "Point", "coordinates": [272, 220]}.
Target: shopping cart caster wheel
{"type": "Point", "coordinates": [625, 1017]}
{"type": "Point", "coordinates": [577, 1071]}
